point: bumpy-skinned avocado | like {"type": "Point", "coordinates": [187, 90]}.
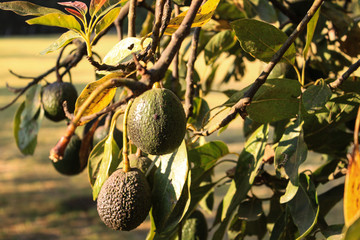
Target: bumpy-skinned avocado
{"type": "Point", "coordinates": [101, 132]}
{"type": "Point", "coordinates": [157, 122]}
{"type": "Point", "coordinates": [53, 96]}
{"type": "Point", "coordinates": [124, 200]}
{"type": "Point", "coordinates": [195, 227]}
{"type": "Point", "coordinates": [142, 163]}
{"type": "Point", "coordinates": [71, 163]}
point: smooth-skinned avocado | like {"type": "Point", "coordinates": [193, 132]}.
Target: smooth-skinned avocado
{"type": "Point", "coordinates": [124, 200]}
{"type": "Point", "coordinates": [53, 96]}
{"type": "Point", "coordinates": [71, 164]}
{"type": "Point", "coordinates": [157, 122]}
{"type": "Point", "coordinates": [102, 132]}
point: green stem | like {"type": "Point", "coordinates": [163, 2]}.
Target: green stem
{"type": "Point", "coordinates": [126, 162]}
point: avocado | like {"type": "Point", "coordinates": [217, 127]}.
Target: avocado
{"type": "Point", "coordinates": [195, 227]}
{"type": "Point", "coordinates": [157, 122]}
{"type": "Point", "coordinates": [53, 96]}
{"type": "Point", "coordinates": [71, 163]}
{"type": "Point", "coordinates": [102, 132]}
{"type": "Point", "coordinates": [124, 200]}
{"type": "Point", "coordinates": [142, 163]}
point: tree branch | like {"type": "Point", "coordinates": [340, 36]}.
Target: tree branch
{"type": "Point", "coordinates": [159, 8]}
{"type": "Point", "coordinates": [157, 72]}
{"type": "Point", "coordinates": [342, 78]}
{"type": "Point", "coordinates": [240, 106]}
{"type": "Point", "coordinates": [131, 18]}
{"type": "Point", "coordinates": [189, 93]}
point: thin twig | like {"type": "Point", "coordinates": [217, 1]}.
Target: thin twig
{"type": "Point", "coordinates": [240, 106]}
{"type": "Point", "coordinates": [120, 19]}
{"type": "Point", "coordinates": [165, 17]}
{"type": "Point", "coordinates": [175, 63]}
{"type": "Point", "coordinates": [189, 93]}
{"type": "Point", "coordinates": [108, 109]}
{"type": "Point", "coordinates": [342, 78]}
{"type": "Point", "coordinates": [157, 72]}
{"type": "Point", "coordinates": [131, 18]}
{"type": "Point", "coordinates": [159, 8]}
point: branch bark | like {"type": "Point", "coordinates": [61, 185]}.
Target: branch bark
{"type": "Point", "coordinates": [342, 78]}
{"type": "Point", "coordinates": [189, 93]}
{"type": "Point", "coordinates": [240, 106]}
{"type": "Point", "coordinates": [157, 72]}
{"type": "Point", "coordinates": [131, 18]}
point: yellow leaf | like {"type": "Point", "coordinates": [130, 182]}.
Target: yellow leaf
{"type": "Point", "coordinates": [101, 100]}
{"type": "Point", "coordinates": [203, 15]}
{"type": "Point", "coordinates": [352, 189]}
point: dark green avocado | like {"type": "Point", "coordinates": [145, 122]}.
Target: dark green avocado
{"type": "Point", "coordinates": [71, 163]}
{"type": "Point", "coordinates": [53, 96]}
{"type": "Point", "coordinates": [102, 132]}
{"type": "Point", "coordinates": [124, 200]}
{"type": "Point", "coordinates": [157, 122]}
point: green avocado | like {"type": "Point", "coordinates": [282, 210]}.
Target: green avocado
{"type": "Point", "coordinates": [124, 200]}
{"type": "Point", "coordinates": [102, 132]}
{"type": "Point", "coordinates": [71, 163]}
{"type": "Point", "coordinates": [195, 227]}
{"type": "Point", "coordinates": [53, 96]}
{"type": "Point", "coordinates": [157, 122]}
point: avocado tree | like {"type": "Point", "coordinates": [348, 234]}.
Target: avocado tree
{"type": "Point", "coordinates": [305, 99]}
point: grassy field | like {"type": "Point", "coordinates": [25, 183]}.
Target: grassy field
{"type": "Point", "coordinates": [38, 203]}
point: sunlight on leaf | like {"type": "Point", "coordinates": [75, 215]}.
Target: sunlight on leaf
{"type": "Point", "coordinates": [25, 8]}
{"type": "Point", "coordinates": [169, 181]}
{"type": "Point", "coordinates": [101, 100]}
{"type": "Point", "coordinates": [203, 15]}
{"type": "Point", "coordinates": [62, 41]}
{"type": "Point", "coordinates": [57, 20]}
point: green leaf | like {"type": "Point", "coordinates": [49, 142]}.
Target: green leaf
{"type": "Point", "coordinates": [218, 44]}
{"type": "Point", "coordinates": [57, 20]}
{"type": "Point", "coordinates": [95, 157]}
{"type": "Point", "coordinates": [304, 207]}
{"type": "Point", "coordinates": [310, 32]}
{"type": "Point", "coordinates": [169, 181]}
{"type": "Point", "coordinates": [291, 151]}
{"type": "Point", "coordinates": [353, 232]}
{"type": "Point", "coordinates": [262, 40]}
{"type": "Point", "coordinates": [27, 121]}
{"type": "Point", "coordinates": [107, 20]}
{"type": "Point", "coordinates": [205, 157]}
{"type": "Point", "coordinates": [123, 50]}
{"type": "Point", "coordinates": [200, 113]}
{"type": "Point", "coordinates": [275, 100]}
{"type": "Point", "coordinates": [316, 96]}
{"type": "Point", "coordinates": [333, 232]}
{"type": "Point", "coordinates": [246, 169]}
{"type": "Point", "coordinates": [62, 41]}
{"type": "Point", "coordinates": [25, 8]}
{"type": "Point", "coordinates": [111, 154]}
{"type": "Point", "coordinates": [290, 193]}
